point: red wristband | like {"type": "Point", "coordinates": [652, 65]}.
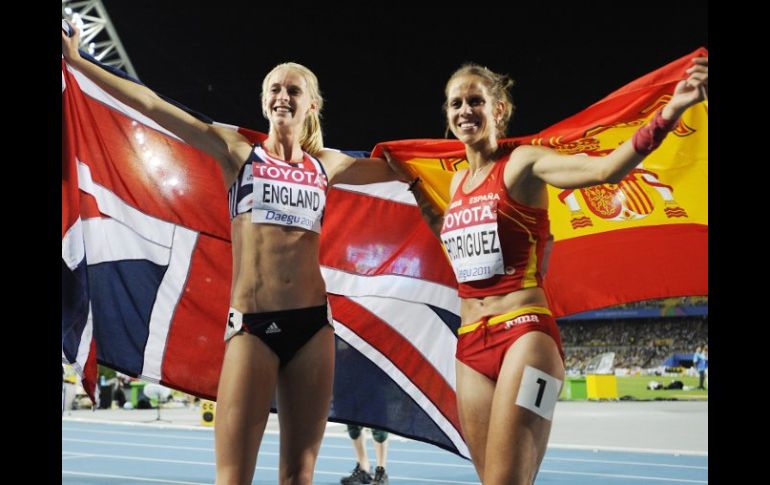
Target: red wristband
{"type": "Point", "coordinates": [650, 136]}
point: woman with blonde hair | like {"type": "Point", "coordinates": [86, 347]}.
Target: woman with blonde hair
{"type": "Point", "coordinates": [279, 332]}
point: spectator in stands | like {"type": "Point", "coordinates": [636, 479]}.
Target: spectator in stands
{"type": "Point", "coordinates": [638, 343]}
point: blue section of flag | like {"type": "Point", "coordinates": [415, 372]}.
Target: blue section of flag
{"type": "Point", "coordinates": [451, 320]}
{"type": "Point", "coordinates": [74, 307]}
{"type": "Point", "coordinates": [122, 296]}
{"type": "Point", "coordinates": [365, 395]}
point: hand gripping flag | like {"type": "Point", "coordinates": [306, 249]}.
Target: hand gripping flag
{"type": "Point", "coordinates": [145, 246]}
{"type": "Point", "coordinates": [643, 238]}
{"type": "Point", "coordinates": [146, 271]}
{"type": "Point", "coordinates": [146, 253]}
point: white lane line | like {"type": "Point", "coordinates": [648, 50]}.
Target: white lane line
{"type": "Point", "coordinates": [628, 477]}
{"type": "Point", "coordinates": [618, 462]}
{"type": "Point", "coordinates": [211, 464]}
{"type": "Point", "coordinates": [656, 451]}
{"type": "Point", "coordinates": [124, 477]}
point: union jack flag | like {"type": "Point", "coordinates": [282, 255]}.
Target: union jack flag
{"type": "Point", "coordinates": [146, 271]}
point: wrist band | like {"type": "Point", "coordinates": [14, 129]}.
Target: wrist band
{"type": "Point", "coordinates": [650, 136]}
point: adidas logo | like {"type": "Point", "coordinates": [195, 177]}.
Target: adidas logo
{"type": "Point", "coordinates": [273, 328]}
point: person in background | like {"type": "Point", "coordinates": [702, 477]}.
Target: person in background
{"type": "Point", "coordinates": [361, 473]}
{"type": "Point", "coordinates": [700, 363]}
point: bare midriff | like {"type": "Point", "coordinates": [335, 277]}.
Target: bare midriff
{"type": "Point", "coordinates": [274, 267]}
{"type": "Point", "coordinates": [474, 309]}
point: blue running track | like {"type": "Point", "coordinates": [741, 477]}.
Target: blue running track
{"type": "Point", "coordinates": [113, 454]}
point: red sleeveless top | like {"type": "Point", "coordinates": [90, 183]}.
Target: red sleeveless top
{"type": "Point", "coordinates": [495, 244]}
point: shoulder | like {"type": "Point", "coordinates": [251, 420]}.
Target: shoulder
{"type": "Point", "coordinates": [332, 159]}
{"type": "Point", "coordinates": [524, 160]}
{"type": "Point", "coordinates": [529, 154]}
{"type": "Point", "coordinates": [238, 146]}
{"type": "Point", "coordinates": [330, 155]}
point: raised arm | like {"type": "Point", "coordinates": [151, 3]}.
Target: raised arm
{"type": "Point", "coordinates": [225, 145]}
{"type": "Point", "coordinates": [575, 171]}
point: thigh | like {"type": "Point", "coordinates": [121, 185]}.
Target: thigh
{"type": "Point", "coordinates": [518, 436]}
{"type": "Point", "coordinates": [246, 388]}
{"type": "Point", "coordinates": [474, 403]}
{"type": "Point", "coordinates": [304, 393]}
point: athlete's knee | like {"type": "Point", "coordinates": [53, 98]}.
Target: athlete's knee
{"type": "Point", "coordinates": [297, 477]}
{"type": "Point", "coordinates": [379, 436]}
{"type": "Point", "coordinates": [354, 431]}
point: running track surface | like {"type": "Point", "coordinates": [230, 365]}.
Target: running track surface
{"type": "Point", "coordinates": [129, 453]}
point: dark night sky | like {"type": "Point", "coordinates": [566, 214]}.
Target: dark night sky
{"type": "Point", "coordinates": [382, 69]}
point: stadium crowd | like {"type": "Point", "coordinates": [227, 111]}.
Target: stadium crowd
{"type": "Point", "coordinates": [638, 343]}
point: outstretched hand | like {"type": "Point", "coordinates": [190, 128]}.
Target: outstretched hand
{"type": "Point", "coordinates": [395, 165]}
{"type": "Point", "coordinates": [690, 90]}
{"type": "Point", "coordinates": [69, 44]}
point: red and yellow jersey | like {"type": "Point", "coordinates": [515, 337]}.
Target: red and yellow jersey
{"type": "Point", "coordinates": [495, 244]}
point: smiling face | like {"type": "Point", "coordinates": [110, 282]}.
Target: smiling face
{"type": "Point", "coordinates": [287, 98]}
{"type": "Point", "coordinates": [473, 114]}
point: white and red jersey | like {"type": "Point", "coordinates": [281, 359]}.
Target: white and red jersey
{"type": "Point", "coordinates": [279, 192]}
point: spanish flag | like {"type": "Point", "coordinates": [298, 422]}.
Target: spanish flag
{"type": "Point", "coordinates": [644, 238]}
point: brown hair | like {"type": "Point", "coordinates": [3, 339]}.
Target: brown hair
{"type": "Point", "coordinates": [499, 87]}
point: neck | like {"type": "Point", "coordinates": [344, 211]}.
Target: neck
{"type": "Point", "coordinates": [284, 146]}
{"type": "Point", "coordinates": [479, 155]}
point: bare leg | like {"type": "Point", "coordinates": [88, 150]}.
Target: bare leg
{"type": "Point", "coordinates": [474, 402]}
{"type": "Point", "coordinates": [246, 387]}
{"type": "Point", "coordinates": [381, 451]}
{"type": "Point", "coordinates": [517, 436]}
{"type": "Point", "coordinates": [304, 394]}
{"type": "Point", "coordinates": [359, 444]}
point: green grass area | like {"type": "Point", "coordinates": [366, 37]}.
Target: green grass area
{"type": "Point", "coordinates": [636, 388]}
